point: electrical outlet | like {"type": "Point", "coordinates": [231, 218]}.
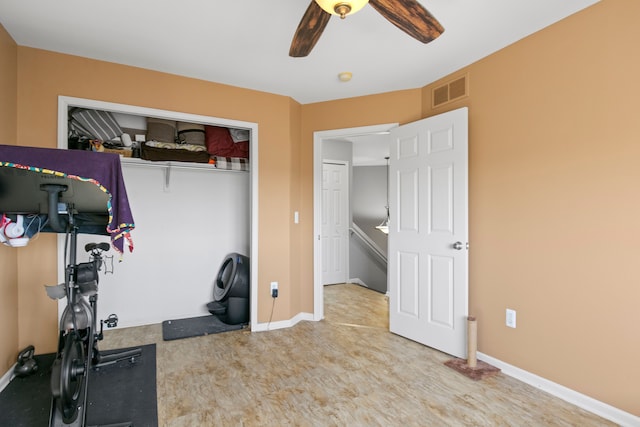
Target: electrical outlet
{"type": "Point", "coordinates": [511, 318]}
{"type": "Point", "coordinates": [274, 289]}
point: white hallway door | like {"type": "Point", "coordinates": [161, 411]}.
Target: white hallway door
{"type": "Point", "coordinates": [335, 222]}
{"type": "Point", "coordinates": [428, 257]}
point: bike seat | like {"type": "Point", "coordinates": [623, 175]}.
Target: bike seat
{"type": "Point", "coordinates": [103, 246]}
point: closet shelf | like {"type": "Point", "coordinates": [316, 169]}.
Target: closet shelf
{"type": "Point", "coordinates": [178, 165]}
{"type": "Point", "coordinates": [168, 166]}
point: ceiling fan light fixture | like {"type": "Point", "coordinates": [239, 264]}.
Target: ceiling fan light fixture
{"type": "Point", "coordinates": [342, 8]}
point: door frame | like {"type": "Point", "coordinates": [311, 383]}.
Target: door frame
{"type": "Point", "coordinates": [318, 138]}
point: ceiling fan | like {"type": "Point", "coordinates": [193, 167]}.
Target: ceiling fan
{"type": "Point", "coordinates": [408, 15]}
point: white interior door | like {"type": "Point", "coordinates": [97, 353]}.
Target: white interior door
{"type": "Point", "coordinates": [335, 222]}
{"type": "Point", "coordinates": [428, 233]}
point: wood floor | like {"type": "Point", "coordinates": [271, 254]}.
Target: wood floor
{"type": "Point", "coordinates": [347, 370]}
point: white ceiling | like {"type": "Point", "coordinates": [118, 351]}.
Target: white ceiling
{"type": "Point", "coordinates": [369, 150]}
{"type": "Point", "coordinates": [246, 42]}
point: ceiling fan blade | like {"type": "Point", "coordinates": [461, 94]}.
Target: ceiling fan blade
{"type": "Point", "coordinates": [411, 17]}
{"type": "Point", "coordinates": [309, 30]}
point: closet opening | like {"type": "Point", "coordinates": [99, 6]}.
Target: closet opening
{"type": "Point", "coordinates": [189, 214]}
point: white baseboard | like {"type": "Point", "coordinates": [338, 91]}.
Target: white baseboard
{"type": "Point", "coordinates": [357, 281]}
{"type": "Point", "coordinates": [282, 323]}
{"type": "Point", "coordinates": [260, 327]}
{"type": "Point", "coordinates": [582, 401]}
{"type": "Point", "coordinates": [7, 377]}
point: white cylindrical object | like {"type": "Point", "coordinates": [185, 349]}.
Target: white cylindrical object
{"type": "Point", "coordinates": [126, 140]}
{"type": "Point", "coordinates": [472, 341]}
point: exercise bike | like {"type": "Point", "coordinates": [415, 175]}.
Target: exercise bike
{"type": "Point", "coordinates": [78, 338]}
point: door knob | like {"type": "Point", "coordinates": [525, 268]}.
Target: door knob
{"type": "Point", "coordinates": [457, 246]}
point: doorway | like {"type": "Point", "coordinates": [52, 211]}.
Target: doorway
{"type": "Point", "coordinates": [319, 139]}
{"type": "Point", "coordinates": [428, 232]}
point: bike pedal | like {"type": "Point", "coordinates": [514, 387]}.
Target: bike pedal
{"type": "Point", "coordinates": [112, 321]}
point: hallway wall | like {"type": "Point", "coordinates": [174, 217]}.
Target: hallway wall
{"type": "Point", "coordinates": [368, 202]}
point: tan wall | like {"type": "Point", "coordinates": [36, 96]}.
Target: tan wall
{"type": "Point", "coordinates": [43, 76]}
{"type": "Point", "coordinates": [296, 241]}
{"type": "Point", "coordinates": [8, 256]}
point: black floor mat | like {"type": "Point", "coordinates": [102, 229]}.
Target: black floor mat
{"type": "Point", "coordinates": [125, 392]}
{"type": "Point", "coordinates": [27, 401]}
{"type": "Point", "coordinates": [119, 392]}
{"type": "Point", "coordinates": [195, 327]}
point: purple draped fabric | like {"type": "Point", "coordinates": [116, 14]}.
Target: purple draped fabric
{"type": "Point", "coordinates": [102, 169]}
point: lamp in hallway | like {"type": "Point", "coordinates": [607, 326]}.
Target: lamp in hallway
{"type": "Point", "coordinates": [384, 225]}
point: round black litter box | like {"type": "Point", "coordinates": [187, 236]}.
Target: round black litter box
{"type": "Point", "coordinates": [231, 290]}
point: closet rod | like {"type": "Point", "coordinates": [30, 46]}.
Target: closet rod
{"type": "Point", "coordinates": [168, 166]}
{"type": "Point", "coordinates": [177, 165]}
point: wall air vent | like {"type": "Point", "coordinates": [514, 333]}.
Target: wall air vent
{"type": "Point", "coordinates": [450, 91]}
